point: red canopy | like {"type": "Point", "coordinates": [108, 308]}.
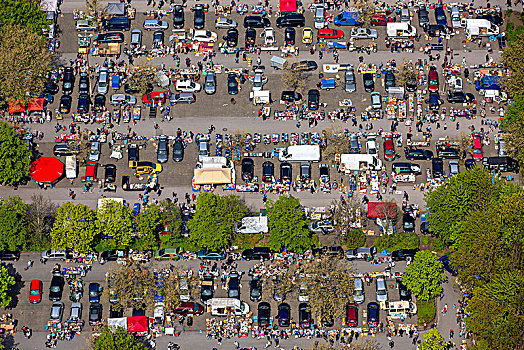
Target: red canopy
{"type": "Point", "coordinates": [36, 105]}
{"type": "Point", "coordinates": [382, 210]}
{"type": "Point", "coordinates": [46, 170]}
{"type": "Point", "coordinates": [288, 5]}
{"type": "Point", "coordinates": [137, 324]}
{"type": "Point", "coordinates": [16, 107]}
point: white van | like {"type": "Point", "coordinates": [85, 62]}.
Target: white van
{"type": "Point", "coordinates": [479, 27]}
{"type": "Point", "coordinates": [203, 150]}
{"type": "Point", "coordinates": [401, 30]}
{"type": "Point", "coordinates": [456, 17]}
{"type": "Point", "coordinates": [300, 153]}
{"type": "Point", "coordinates": [162, 79]}
{"type": "Point", "coordinates": [103, 82]}
{"type": "Point", "coordinates": [187, 86]}
{"type": "Point", "coordinates": [358, 293]}
{"type": "Point", "coordinates": [83, 24]}
{"type": "Point", "coordinates": [355, 162]}
{"type": "Point", "coordinates": [227, 306]}
{"type": "Point", "coordinates": [320, 17]}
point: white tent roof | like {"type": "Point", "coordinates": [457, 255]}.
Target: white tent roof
{"type": "Point", "coordinates": [213, 176]}
{"type": "Point", "coordinates": [116, 8]}
{"type": "Point", "coordinates": [49, 5]}
{"type": "Point", "coordinates": [117, 322]}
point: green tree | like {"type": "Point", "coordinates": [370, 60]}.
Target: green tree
{"type": "Point", "coordinates": [171, 223]}
{"type": "Point", "coordinates": [289, 226]}
{"type": "Point", "coordinates": [133, 284]}
{"type": "Point", "coordinates": [6, 282]}
{"type": "Point", "coordinates": [119, 338]}
{"type": "Point", "coordinates": [423, 277]}
{"type": "Point", "coordinates": [355, 238]}
{"type": "Point", "coordinates": [147, 228]}
{"type": "Point", "coordinates": [13, 229]}
{"type": "Point", "coordinates": [433, 340]}
{"type": "Point", "coordinates": [22, 13]}
{"type": "Point", "coordinates": [74, 227]}
{"type": "Point", "coordinates": [115, 220]}
{"type": "Point", "coordinates": [212, 225]}
{"type": "Point", "coordinates": [15, 157]}
{"type": "Point", "coordinates": [24, 63]}
{"type": "Point", "coordinates": [512, 55]}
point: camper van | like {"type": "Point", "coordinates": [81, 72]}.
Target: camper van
{"type": "Point", "coordinates": [399, 309]}
{"type": "Point", "coordinates": [227, 306]}
{"type": "Point", "coordinates": [300, 153]}
{"type": "Point", "coordinates": [479, 27]}
{"type": "Point", "coordinates": [355, 162]}
{"type": "Point", "coordinates": [401, 30]}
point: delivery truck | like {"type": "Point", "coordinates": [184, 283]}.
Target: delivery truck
{"type": "Point", "coordinates": [354, 162]}
{"type": "Point", "coordinates": [479, 27]}
{"type": "Point", "coordinates": [401, 30]}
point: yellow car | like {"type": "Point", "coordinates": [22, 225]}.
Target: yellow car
{"type": "Point", "coordinates": [145, 167]}
{"type": "Point", "coordinates": [307, 35]}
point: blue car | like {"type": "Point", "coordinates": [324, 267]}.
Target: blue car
{"type": "Point", "coordinates": [209, 254]}
{"type": "Point", "coordinates": [434, 100]}
{"type": "Point", "coordinates": [440, 16]}
{"type": "Point", "coordinates": [346, 19]}
{"type": "Point", "coordinates": [446, 263]}
{"type": "Point", "coordinates": [373, 318]}
{"type": "Point", "coordinates": [94, 292]}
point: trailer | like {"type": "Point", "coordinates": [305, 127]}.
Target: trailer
{"type": "Point", "coordinates": [71, 167]}
{"type": "Point", "coordinates": [278, 62]}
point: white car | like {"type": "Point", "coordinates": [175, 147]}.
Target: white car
{"type": "Point", "coordinates": [269, 36]}
{"type": "Point", "coordinates": [371, 147]}
{"type": "Point", "coordinates": [83, 24]}
{"type": "Point", "coordinates": [187, 86]}
{"type": "Point", "coordinates": [117, 99]}
{"type": "Point", "coordinates": [225, 23]}
{"type": "Point", "coordinates": [153, 24]}
{"type": "Point", "coordinates": [205, 36]}
{"type": "Point", "coordinates": [364, 33]}
{"type": "Point", "coordinates": [258, 81]}
{"type": "Point", "coordinates": [94, 154]}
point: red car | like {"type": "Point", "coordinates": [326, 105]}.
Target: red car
{"type": "Point", "coordinates": [330, 34]}
{"type": "Point", "coordinates": [389, 148]}
{"type": "Point", "coordinates": [477, 146]}
{"type": "Point", "coordinates": [35, 292]}
{"type": "Point", "coordinates": [189, 308]}
{"type": "Point", "coordinates": [91, 170]}
{"type": "Point", "coordinates": [156, 98]}
{"type": "Point", "coordinates": [351, 315]}
{"type": "Point", "coordinates": [433, 79]}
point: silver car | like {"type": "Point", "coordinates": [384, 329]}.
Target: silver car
{"type": "Point", "coordinates": [210, 85]}
{"type": "Point", "coordinates": [76, 311]}
{"type": "Point", "coordinates": [103, 82]}
{"type": "Point", "coordinates": [358, 294]}
{"type": "Point", "coordinates": [162, 153]}
{"type": "Point", "coordinates": [136, 38]}
{"type": "Point", "coordinates": [57, 310]}
{"type": "Point", "coordinates": [225, 23]}
{"type": "Point", "coordinates": [350, 84]}
{"type": "Point", "coordinates": [124, 99]}
{"type": "Point", "coordinates": [153, 24]}
{"type": "Point", "coordinates": [376, 100]}
{"type": "Point", "coordinates": [364, 33]}
{"type": "Point", "coordinates": [94, 154]}
{"type": "Point", "coordinates": [382, 291]}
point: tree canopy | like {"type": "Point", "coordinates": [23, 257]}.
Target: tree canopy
{"type": "Point", "coordinates": [74, 227]}
{"type": "Point", "coordinates": [289, 226]}
{"type": "Point", "coordinates": [147, 224]}
{"type": "Point", "coordinates": [6, 281]}
{"type": "Point", "coordinates": [15, 156]}
{"type": "Point", "coordinates": [212, 225]}
{"type": "Point", "coordinates": [24, 63]}
{"type": "Point", "coordinates": [114, 222]}
{"type": "Point", "coordinates": [118, 338]}
{"type": "Point", "coordinates": [24, 13]}
{"type": "Point", "coordinates": [13, 225]}
{"type": "Point", "coordinates": [423, 277]}
{"type": "Point", "coordinates": [433, 340]}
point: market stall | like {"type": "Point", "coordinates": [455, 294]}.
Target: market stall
{"type": "Point", "coordinates": [46, 170]}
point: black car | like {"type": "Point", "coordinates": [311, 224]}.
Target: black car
{"type": "Point", "coordinates": [268, 171]}
{"type": "Point", "coordinates": [100, 103]}
{"type": "Point", "coordinates": [460, 97]}
{"type": "Point", "coordinates": [233, 285]}
{"type": "Point", "coordinates": [178, 17]}
{"type": "Point", "coordinates": [373, 314]}
{"type": "Point", "coordinates": [291, 20]}
{"type": "Point", "coordinates": [448, 152]}
{"type": "Point", "coordinates": [405, 294]}
{"type": "Point", "coordinates": [256, 22]}
{"type": "Point", "coordinates": [496, 19]}
{"type": "Point", "coordinates": [289, 36]}
{"type": "Point", "coordinates": [436, 30]}
{"type": "Point", "coordinates": [264, 313]}
{"type": "Point", "coordinates": [132, 153]}
{"type": "Point", "coordinates": [95, 313]}
{"type": "Point", "coordinates": [248, 167]}
{"type": "Point", "coordinates": [110, 173]}
{"type": "Point", "coordinates": [389, 80]}
{"type": "Point", "coordinates": [232, 84]}
{"type": "Point", "coordinates": [290, 96]}
{"type": "Point", "coordinates": [313, 99]}
{"type": "Point", "coordinates": [329, 251]}
{"type": "Point", "coordinates": [424, 228]}
{"type": "Point", "coordinates": [256, 253]}
{"type": "Point", "coordinates": [417, 153]}
{"type": "Point", "coordinates": [286, 171]}
{"type": "Point", "coordinates": [65, 104]}
{"type": "Point", "coordinates": [369, 83]}
{"type": "Point", "coordinates": [469, 163]}
{"type": "Point", "coordinates": [68, 83]}
{"type": "Point", "coordinates": [250, 37]}
{"type": "Point", "coordinates": [434, 100]}
{"type": "Point", "coordinates": [158, 38]}
{"type": "Point", "coordinates": [255, 289]}
{"type": "Point", "coordinates": [115, 313]}
{"type": "Point", "coordinates": [284, 315]}
{"type": "Point", "coordinates": [411, 85]}
{"type": "Point", "coordinates": [56, 288]}
{"type": "Point", "coordinates": [133, 89]}
{"type": "Point", "coordinates": [438, 167]}
{"type": "Point", "coordinates": [207, 288]}
{"type": "Point", "coordinates": [83, 83]}
{"type": "Point", "coordinates": [83, 103]}
{"type": "Point", "coordinates": [304, 315]}
{"type": "Point", "coordinates": [423, 16]}
{"type": "Point", "coordinates": [51, 88]}
{"type": "Point", "coordinates": [200, 17]}
{"type": "Point", "coordinates": [305, 170]}
{"type": "Point", "coordinates": [9, 255]}
{"type": "Point", "coordinates": [403, 254]}
{"type": "Point", "coordinates": [113, 37]}
{"type": "Point", "coordinates": [231, 37]}
{"type": "Point", "coordinates": [306, 66]}
{"type": "Point", "coordinates": [178, 150]}
{"type": "Point", "coordinates": [408, 223]}
{"type": "Point", "coordinates": [113, 254]}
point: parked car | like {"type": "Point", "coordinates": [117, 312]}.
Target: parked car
{"type": "Point", "coordinates": [381, 289]}
{"type": "Point", "coordinates": [418, 154]}
{"type": "Point", "coordinates": [153, 24]}
{"type": "Point", "coordinates": [189, 308]}
{"type": "Point", "coordinates": [158, 38]}
{"type": "Point", "coordinates": [350, 83]}
{"type": "Point", "coordinates": [304, 66]}
{"type": "Point", "coordinates": [389, 148]}
{"type": "Point", "coordinates": [232, 84]}
{"type": "Point", "coordinates": [210, 255]}
{"type": "Point", "coordinates": [389, 80]}
{"type": "Point", "coordinates": [210, 84]}
{"type": "Point", "coordinates": [284, 315]}
{"type": "Point", "coordinates": [478, 154]}
{"type": "Point", "coordinates": [250, 37]}
{"type": "Point", "coordinates": [358, 293]}
{"type": "Point", "coordinates": [206, 36]}
{"type": "Point", "coordinates": [56, 288]}
{"type": "Point", "coordinates": [207, 288]}
{"type": "Point", "coordinates": [304, 315]}
{"type": "Point", "coordinates": [178, 150]}
{"type": "Point", "coordinates": [57, 310]}
{"type": "Point", "coordinates": [199, 19]}
{"type": "Point", "coordinates": [256, 22]}
{"type": "Point", "coordinates": [255, 289]}
{"type": "Point", "coordinates": [369, 83]}
{"type": "Point", "coordinates": [268, 171]}
{"type": "Point", "coordinates": [433, 79]}
{"type": "Point", "coordinates": [182, 97]}
{"type": "Point", "coordinates": [95, 313]}
{"type": "Point", "coordinates": [162, 151]}
{"type": "Point", "coordinates": [313, 97]}
{"type": "Point", "coordinates": [100, 103]}
{"type": "Point", "coordinates": [460, 97]}
{"type": "Point", "coordinates": [94, 292]}
{"type": "Point", "coordinates": [68, 81]}
{"type": "Point", "coordinates": [289, 36]}
{"type": "Point", "coordinates": [248, 169]}
{"type": "Point", "coordinates": [373, 314]}
{"type": "Point", "coordinates": [363, 33]}
{"type": "Point", "coordinates": [403, 254]}
{"type": "Point", "coordinates": [351, 315]}
{"type": "Point", "coordinates": [103, 82]}
{"type": "Point", "coordinates": [330, 34]}
{"type": "Point", "coordinates": [423, 16]}
{"type": "Point", "coordinates": [286, 171]}
{"type": "Point", "coordinates": [257, 253]}
{"type": "Point", "coordinates": [233, 285]}
{"type": "Point", "coordinates": [376, 100]}
{"type": "Point", "coordinates": [65, 104]}
{"type": "Point", "coordinates": [408, 222]}
{"type": "Point", "coordinates": [9, 255]}
{"type": "Point", "coordinates": [187, 86]}
{"type": "Point", "coordinates": [361, 253]}
{"type": "Point", "coordinates": [178, 17]}
{"type": "Point", "coordinates": [76, 312]}
{"type": "Point", "coordinates": [136, 39]}
{"type": "Point", "coordinates": [264, 314]}
{"type": "Point", "coordinates": [35, 291]}
{"type": "Point", "coordinates": [225, 23]}
{"type": "Point", "coordinates": [405, 294]}
{"type": "Point", "coordinates": [453, 167]}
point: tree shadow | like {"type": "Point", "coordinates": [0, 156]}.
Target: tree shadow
{"type": "Point", "coordinates": [14, 291]}
{"type": "Point", "coordinates": [9, 342]}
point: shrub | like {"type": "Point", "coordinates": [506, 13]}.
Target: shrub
{"type": "Point", "coordinates": [425, 240]}
{"type": "Point", "coordinates": [396, 241]}
{"type": "Point", "coordinates": [355, 238]}
{"type": "Point", "coordinates": [426, 311]}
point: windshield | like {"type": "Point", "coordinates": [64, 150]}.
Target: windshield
{"type": "Point", "coordinates": [35, 292]}
{"type": "Point", "coordinates": [55, 289]}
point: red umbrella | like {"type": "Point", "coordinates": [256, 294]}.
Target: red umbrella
{"type": "Point", "coordinates": [46, 170]}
